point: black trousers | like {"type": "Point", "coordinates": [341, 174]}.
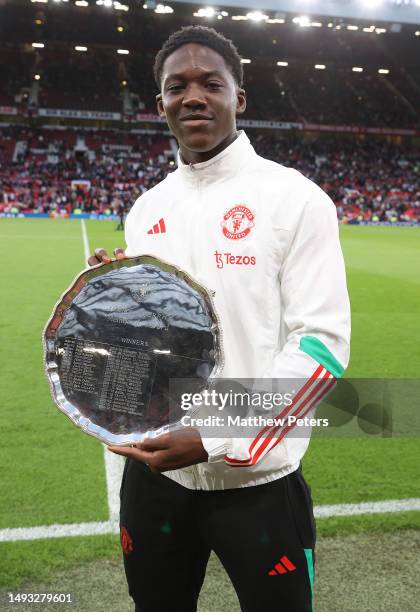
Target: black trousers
{"type": "Point", "coordinates": [264, 536]}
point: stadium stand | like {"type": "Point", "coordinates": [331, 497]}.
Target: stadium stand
{"type": "Point", "coordinates": [78, 130]}
{"type": "Point", "coordinates": [52, 174]}
{"type": "Point", "coordinates": [367, 180]}
{"type": "Point", "coordinates": [80, 81]}
{"type": "Point", "coordinates": [95, 79]}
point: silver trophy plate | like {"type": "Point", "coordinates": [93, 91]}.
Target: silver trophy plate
{"type": "Point", "coordinates": [118, 340]}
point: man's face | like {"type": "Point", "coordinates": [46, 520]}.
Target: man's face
{"type": "Point", "coordinates": [199, 100]}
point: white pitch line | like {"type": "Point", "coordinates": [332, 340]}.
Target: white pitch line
{"type": "Point", "coordinates": [111, 527]}
{"type": "Point", "coordinates": [85, 240]}
{"type": "Point", "coordinates": [58, 531]}
{"type": "Point", "coordinates": [114, 464]}
{"type": "Point", "coordinates": [388, 505]}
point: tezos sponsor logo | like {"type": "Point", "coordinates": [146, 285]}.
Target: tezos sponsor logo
{"type": "Point", "coordinates": [229, 259]}
{"type": "Point", "coordinates": [237, 222]}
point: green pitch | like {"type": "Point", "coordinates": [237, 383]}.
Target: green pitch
{"type": "Point", "coordinates": [52, 473]}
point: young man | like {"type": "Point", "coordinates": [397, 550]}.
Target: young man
{"type": "Point", "coordinates": [265, 239]}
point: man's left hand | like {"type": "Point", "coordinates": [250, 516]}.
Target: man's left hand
{"type": "Point", "coordinates": [167, 452]}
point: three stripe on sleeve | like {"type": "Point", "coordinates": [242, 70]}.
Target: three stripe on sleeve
{"type": "Point", "coordinates": [310, 394]}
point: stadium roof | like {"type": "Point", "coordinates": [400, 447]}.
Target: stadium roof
{"type": "Point", "coordinates": [397, 11]}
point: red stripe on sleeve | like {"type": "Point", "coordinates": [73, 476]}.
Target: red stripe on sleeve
{"type": "Point", "coordinates": [302, 391]}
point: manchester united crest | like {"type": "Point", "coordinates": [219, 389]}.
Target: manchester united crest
{"type": "Point", "coordinates": [237, 222]}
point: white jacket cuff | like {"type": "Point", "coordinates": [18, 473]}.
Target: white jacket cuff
{"type": "Point", "coordinates": [216, 448]}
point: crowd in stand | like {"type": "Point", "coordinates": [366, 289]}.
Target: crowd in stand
{"type": "Point", "coordinates": [368, 180]}
{"type": "Point", "coordinates": [59, 173]}
{"type": "Point", "coordinates": [60, 180]}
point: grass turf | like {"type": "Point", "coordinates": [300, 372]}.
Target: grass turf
{"type": "Point", "coordinates": [54, 474]}
{"type": "Point", "coordinates": [384, 284]}
{"type": "Point", "coordinates": [51, 473]}
{"type": "Point", "coordinates": [379, 570]}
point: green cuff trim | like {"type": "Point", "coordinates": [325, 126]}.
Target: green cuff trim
{"type": "Point", "coordinates": [318, 351]}
{"type": "Point", "coordinates": [310, 563]}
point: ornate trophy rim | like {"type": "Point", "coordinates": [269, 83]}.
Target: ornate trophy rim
{"type": "Point", "coordinates": [64, 303]}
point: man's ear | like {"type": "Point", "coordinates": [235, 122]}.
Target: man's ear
{"type": "Point", "coordinates": [159, 105]}
{"type": "Point", "coordinates": [240, 101]}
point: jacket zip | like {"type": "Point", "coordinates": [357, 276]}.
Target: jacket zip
{"type": "Point", "coordinates": [195, 221]}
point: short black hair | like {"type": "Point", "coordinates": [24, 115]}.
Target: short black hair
{"type": "Point", "coordinates": [202, 36]}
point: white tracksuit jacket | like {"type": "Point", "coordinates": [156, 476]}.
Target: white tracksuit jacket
{"type": "Point", "coordinates": [265, 240]}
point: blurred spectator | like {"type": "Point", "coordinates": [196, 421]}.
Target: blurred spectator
{"type": "Point", "coordinates": [368, 180]}
{"type": "Point", "coordinates": [51, 177]}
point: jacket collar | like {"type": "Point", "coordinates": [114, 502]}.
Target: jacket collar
{"type": "Point", "coordinates": [223, 165]}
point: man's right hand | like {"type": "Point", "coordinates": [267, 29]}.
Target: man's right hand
{"type": "Point", "coordinates": [101, 256]}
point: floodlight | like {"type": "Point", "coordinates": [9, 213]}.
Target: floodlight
{"type": "Point", "coordinates": [320, 66]}
{"type": "Point", "coordinates": [80, 48]}
{"type": "Point", "coordinates": [357, 69]}
{"type": "Point", "coordinates": [123, 51]}
{"type": "Point", "coordinates": [282, 63]}
{"type": "Point", "coordinates": [163, 8]}
{"type": "Point", "coordinates": [303, 21]}
{"type": "Point", "coordinates": [38, 45]}
{"type": "Point", "coordinates": [208, 12]}
{"type": "Point", "coordinates": [245, 61]}
{"type": "Point", "coordinates": [256, 16]}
